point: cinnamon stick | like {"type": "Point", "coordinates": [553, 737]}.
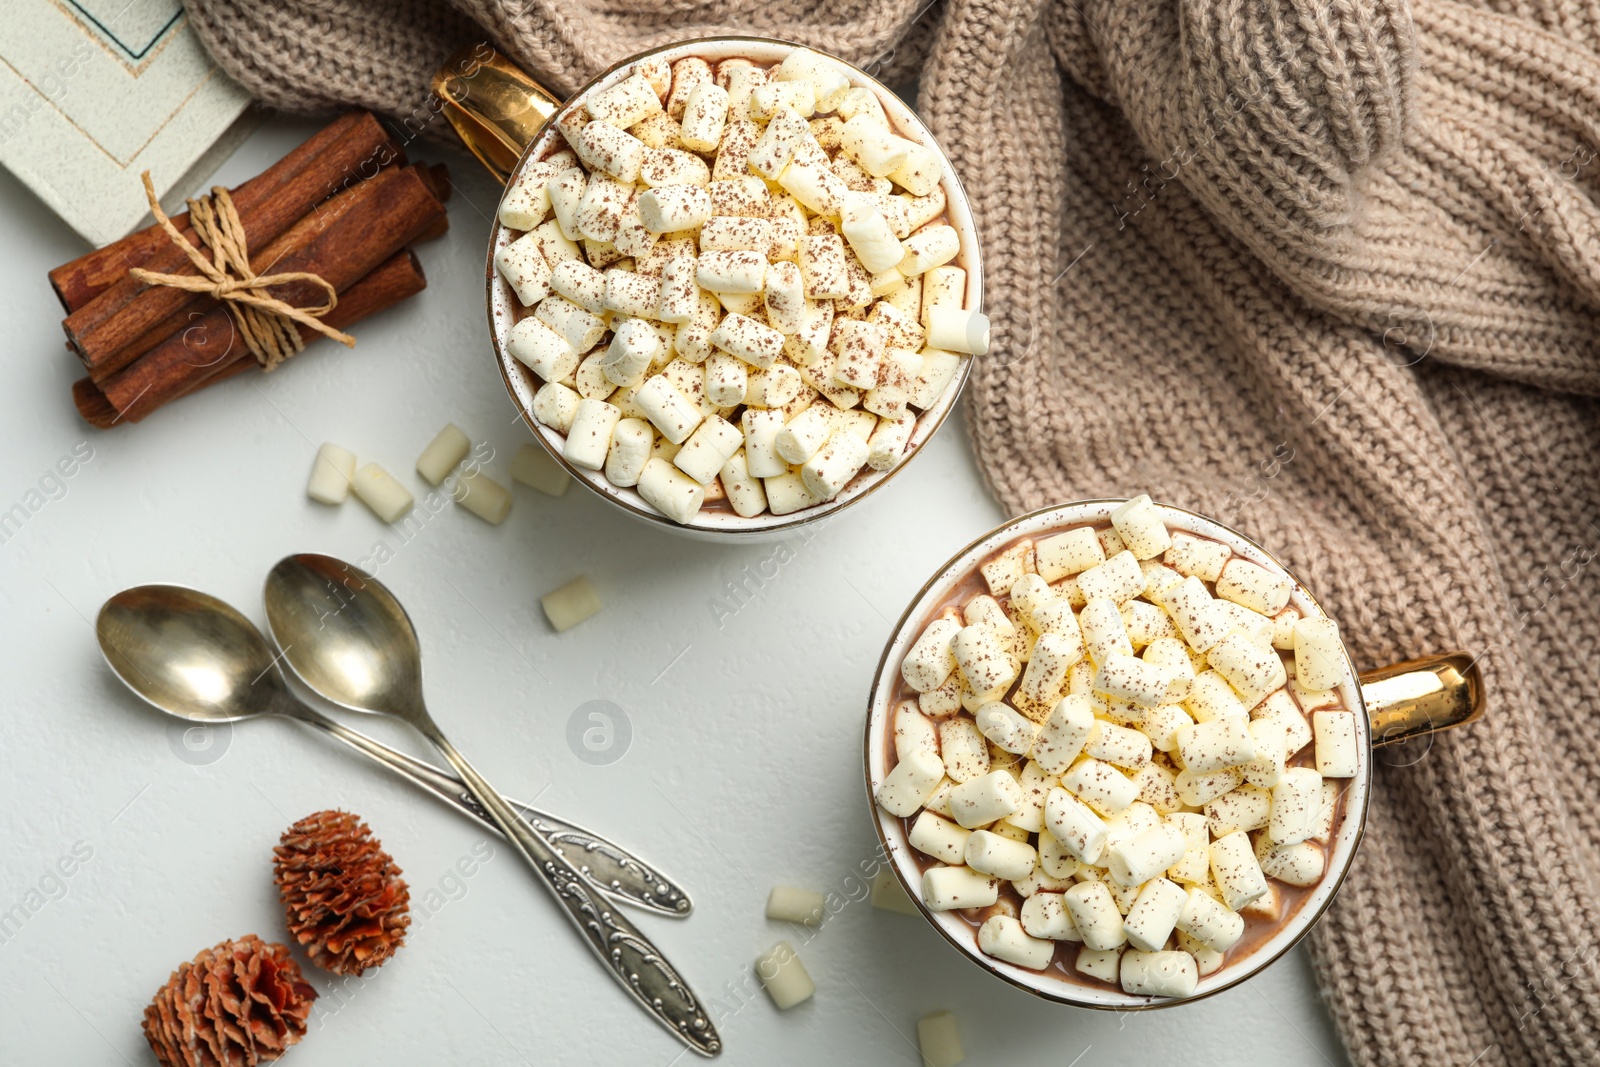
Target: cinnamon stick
{"type": "Point", "coordinates": [128, 318]}
{"type": "Point", "coordinates": [396, 278]}
{"type": "Point", "coordinates": [358, 230]}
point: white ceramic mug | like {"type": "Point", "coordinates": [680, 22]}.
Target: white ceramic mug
{"type": "Point", "coordinates": [505, 118]}
{"type": "Point", "coordinates": [1392, 704]}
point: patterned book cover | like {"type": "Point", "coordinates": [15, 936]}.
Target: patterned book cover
{"type": "Point", "coordinates": [92, 92]}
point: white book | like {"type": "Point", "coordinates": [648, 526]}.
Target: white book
{"type": "Point", "coordinates": [94, 92]}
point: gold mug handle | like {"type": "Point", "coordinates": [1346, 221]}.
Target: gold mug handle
{"type": "Point", "coordinates": [494, 106]}
{"type": "Point", "coordinates": [1422, 696]}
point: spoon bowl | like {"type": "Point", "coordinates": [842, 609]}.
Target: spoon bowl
{"type": "Point", "coordinates": [189, 654]}
{"type": "Point", "coordinates": [345, 635]}
{"type": "Point", "coordinates": [197, 658]}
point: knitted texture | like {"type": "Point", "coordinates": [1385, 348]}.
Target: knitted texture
{"type": "Point", "coordinates": [1323, 269]}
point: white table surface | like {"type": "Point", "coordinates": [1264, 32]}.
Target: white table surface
{"type": "Point", "coordinates": [743, 771]}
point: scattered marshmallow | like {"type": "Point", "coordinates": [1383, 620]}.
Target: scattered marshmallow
{"type": "Point", "coordinates": [570, 604]}
{"type": "Point", "coordinates": [331, 474]}
{"type": "Point", "coordinates": [788, 904]}
{"type": "Point", "coordinates": [784, 977]}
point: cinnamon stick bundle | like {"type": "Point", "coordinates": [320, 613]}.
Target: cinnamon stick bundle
{"type": "Point", "coordinates": [398, 277]}
{"type": "Point", "coordinates": [350, 236]}
{"type": "Point", "coordinates": [127, 318]}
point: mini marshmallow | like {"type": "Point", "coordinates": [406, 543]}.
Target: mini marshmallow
{"type": "Point", "coordinates": [634, 347]}
{"type": "Point", "coordinates": [600, 211]}
{"type": "Point", "coordinates": [1129, 823]}
{"type": "Point", "coordinates": [823, 266]}
{"type": "Point", "coordinates": [1338, 743]}
{"type": "Point", "coordinates": [1159, 974]}
{"type": "Point", "coordinates": [604, 147]}
{"type": "Point", "coordinates": [938, 370]}
{"type": "Point", "coordinates": [861, 347]}
{"type": "Point", "coordinates": [803, 435]}
{"type": "Point", "coordinates": [788, 904]}
{"type": "Point", "coordinates": [693, 338]}
{"type": "Point", "coordinates": [943, 700]}
{"type": "Point", "coordinates": [957, 330]}
{"type": "Point", "coordinates": [1062, 737]}
{"type": "Point", "coordinates": [708, 448]}
{"type": "Point", "coordinates": [1154, 914]}
{"type": "Point", "coordinates": [1197, 789]}
{"type": "Point", "coordinates": [1044, 915]}
{"type": "Point", "coordinates": [525, 269]}
{"type": "Point", "coordinates": [726, 380]}
{"type": "Point", "coordinates": [1207, 960]}
{"type": "Point", "coordinates": [946, 287]}
{"type": "Point", "coordinates": [1035, 784]}
{"type": "Point", "coordinates": [1158, 788]}
{"type": "Point", "coordinates": [765, 100]}
{"type": "Point", "coordinates": [1117, 579]}
{"type": "Point", "coordinates": [785, 298]}
{"type": "Point", "coordinates": [1095, 915]}
{"type": "Point", "coordinates": [1193, 609]}
{"type": "Point", "coordinates": [871, 145]}
{"type": "Point", "coordinates": [1331, 791]}
{"type": "Point", "coordinates": [984, 800]}
{"type": "Point", "coordinates": [1211, 697]}
{"type": "Point", "coordinates": [1161, 725]}
{"type": "Point", "coordinates": [1272, 751]}
{"type": "Point", "coordinates": [680, 292]}
{"type": "Point", "coordinates": [671, 208]}
{"type": "Point", "coordinates": [869, 234]}
{"type": "Point", "coordinates": [1052, 657]}
{"type": "Point", "coordinates": [1195, 866]}
{"type": "Point", "coordinates": [732, 272]}
{"type": "Point", "coordinates": [745, 494]}
{"type": "Point", "coordinates": [667, 409]}
{"type": "Point", "coordinates": [757, 344]}
{"type": "Point", "coordinates": [448, 448]}
{"type": "Point", "coordinates": [670, 491]}
{"type": "Point", "coordinates": [1004, 938]}
{"type": "Point", "coordinates": [964, 749]}
{"type": "Point", "coordinates": [482, 495]}
{"type": "Point", "coordinates": [1318, 654]}
{"type": "Point", "coordinates": [1253, 586]}
{"type": "Point", "coordinates": [919, 174]}
{"type": "Point", "coordinates": [629, 452]}
{"type": "Point", "coordinates": [625, 103]}
{"type": "Point", "coordinates": [834, 465]}
{"type": "Point", "coordinates": [1101, 786]}
{"type": "Point", "coordinates": [1146, 622]}
{"type": "Point", "coordinates": [1172, 657]}
{"type": "Point", "coordinates": [566, 190]}
{"type": "Point", "coordinates": [1246, 808]}
{"type": "Point", "coordinates": [910, 783]}
{"type": "Point", "coordinates": [929, 661]}
{"type": "Point", "coordinates": [1283, 629]}
{"type": "Point", "coordinates": [761, 429]}
{"type": "Point", "coordinates": [705, 113]}
{"type": "Point", "coordinates": [589, 437]}
{"type": "Point", "coordinates": [580, 283]}
{"type": "Point", "coordinates": [981, 658]}
{"type": "Point", "coordinates": [938, 1040]}
{"type": "Point", "coordinates": [526, 202]}
{"type": "Point", "coordinates": [1296, 806]}
{"type": "Point", "coordinates": [1104, 634]}
{"type": "Point", "coordinates": [928, 248]}
{"type": "Point", "coordinates": [1236, 870]}
{"type": "Point", "coordinates": [989, 853]}
{"type": "Point", "coordinates": [1311, 700]}
{"type": "Point", "coordinates": [541, 349]}
{"type": "Point", "coordinates": [1252, 669]}
{"type": "Point", "coordinates": [1006, 727]}
{"type": "Point", "coordinates": [554, 405]}
{"type": "Point", "coordinates": [939, 838]}
{"type": "Point", "coordinates": [1197, 557]}
{"type": "Point", "coordinates": [382, 493]}
{"type": "Point", "coordinates": [1132, 679]}
{"type": "Point", "coordinates": [1132, 863]}
{"type": "Point", "coordinates": [1299, 864]}
{"type": "Point", "coordinates": [735, 233]}
{"type": "Point", "coordinates": [1214, 744]}
{"type": "Point", "coordinates": [579, 328]}
{"type": "Point", "coordinates": [888, 442]}
{"type": "Point", "coordinates": [670, 166]}
{"type": "Point", "coordinates": [1099, 964]}
{"type": "Point", "coordinates": [817, 187]}
{"type": "Point", "coordinates": [331, 473]}
{"type": "Point", "coordinates": [784, 977]}
{"type": "Point", "coordinates": [1139, 525]}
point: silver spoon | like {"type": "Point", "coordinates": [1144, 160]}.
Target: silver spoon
{"type": "Point", "coordinates": [195, 657]}
{"type": "Point", "coordinates": [346, 636]}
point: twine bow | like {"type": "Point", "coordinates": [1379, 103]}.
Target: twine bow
{"type": "Point", "coordinates": [266, 324]}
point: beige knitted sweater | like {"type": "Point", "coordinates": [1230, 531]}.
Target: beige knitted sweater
{"type": "Point", "coordinates": [1327, 270]}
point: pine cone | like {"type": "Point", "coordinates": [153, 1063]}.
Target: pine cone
{"type": "Point", "coordinates": [238, 1004]}
{"type": "Point", "coordinates": [343, 895]}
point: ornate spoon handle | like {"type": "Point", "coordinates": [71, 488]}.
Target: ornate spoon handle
{"type": "Point", "coordinates": [629, 957]}
{"type": "Point", "coordinates": [606, 866]}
